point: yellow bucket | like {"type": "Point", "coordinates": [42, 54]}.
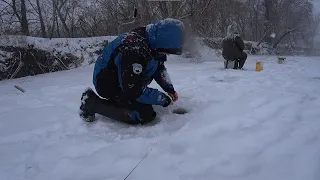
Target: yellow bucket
{"type": "Point", "coordinates": [259, 66]}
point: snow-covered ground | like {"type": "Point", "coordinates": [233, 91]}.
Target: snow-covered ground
{"type": "Point", "coordinates": [242, 125]}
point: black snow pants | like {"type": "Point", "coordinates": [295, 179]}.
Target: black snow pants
{"type": "Point", "coordinates": [139, 113]}
{"type": "Point", "coordinates": [239, 62]}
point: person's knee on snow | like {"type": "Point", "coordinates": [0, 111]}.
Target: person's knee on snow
{"type": "Point", "coordinates": [142, 117]}
{"type": "Point", "coordinates": [144, 113]}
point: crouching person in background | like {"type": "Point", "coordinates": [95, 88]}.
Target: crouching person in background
{"type": "Point", "coordinates": [232, 49]}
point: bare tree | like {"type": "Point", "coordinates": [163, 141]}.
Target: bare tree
{"type": "Point", "coordinates": [21, 14]}
{"type": "Point", "coordinates": [59, 5]}
{"type": "Point", "coordinates": [43, 28]}
{"type": "Point", "coordinates": [292, 21]}
{"type": "Point", "coordinates": [24, 20]}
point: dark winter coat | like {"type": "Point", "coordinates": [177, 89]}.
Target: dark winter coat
{"type": "Point", "coordinates": [232, 47]}
{"type": "Point", "coordinates": [131, 61]}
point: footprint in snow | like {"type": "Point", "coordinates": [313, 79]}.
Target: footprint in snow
{"type": "Point", "coordinates": [225, 79]}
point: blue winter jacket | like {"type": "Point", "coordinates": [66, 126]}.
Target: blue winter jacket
{"type": "Point", "coordinates": [131, 61]}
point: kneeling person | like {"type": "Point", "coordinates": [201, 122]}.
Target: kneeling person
{"type": "Point", "coordinates": [125, 69]}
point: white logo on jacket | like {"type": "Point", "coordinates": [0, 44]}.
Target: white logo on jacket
{"type": "Point", "coordinates": [137, 68]}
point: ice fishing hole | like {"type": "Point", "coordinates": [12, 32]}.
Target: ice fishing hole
{"type": "Point", "coordinates": [180, 111]}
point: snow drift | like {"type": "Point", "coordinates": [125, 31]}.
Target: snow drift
{"type": "Point", "coordinates": [241, 125]}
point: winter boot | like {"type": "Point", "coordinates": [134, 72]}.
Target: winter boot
{"type": "Point", "coordinates": [86, 111]}
{"type": "Point", "coordinates": [236, 64]}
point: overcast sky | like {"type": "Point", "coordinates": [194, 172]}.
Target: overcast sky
{"type": "Point", "coordinates": [317, 5]}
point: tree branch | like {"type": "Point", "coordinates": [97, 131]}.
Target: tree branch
{"type": "Point", "coordinates": [282, 16]}
{"type": "Point", "coordinates": [284, 35]}
{"type": "Point", "coordinates": [32, 6]}
{"type": "Point", "coordinates": [14, 8]}
{"type": "Point", "coordinates": [205, 8]}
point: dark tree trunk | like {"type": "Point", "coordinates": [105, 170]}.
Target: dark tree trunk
{"type": "Point", "coordinates": [63, 17]}
{"type": "Point", "coordinates": [53, 17]}
{"type": "Point", "coordinates": [267, 23]}
{"type": "Point", "coordinates": [43, 27]}
{"type": "Point", "coordinates": [24, 20]}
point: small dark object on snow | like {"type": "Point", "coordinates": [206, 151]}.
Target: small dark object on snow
{"type": "Point", "coordinates": [19, 88]}
{"type": "Point", "coordinates": [180, 111]}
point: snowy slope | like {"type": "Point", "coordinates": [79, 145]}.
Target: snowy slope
{"type": "Point", "coordinates": [242, 125]}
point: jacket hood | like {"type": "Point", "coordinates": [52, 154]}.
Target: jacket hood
{"type": "Point", "coordinates": [166, 36]}
{"type": "Point", "coordinates": [232, 31]}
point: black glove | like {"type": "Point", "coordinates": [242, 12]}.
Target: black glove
{"type": "Point", "coordinates": [167, 102]}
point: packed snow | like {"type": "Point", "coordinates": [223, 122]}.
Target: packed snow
{"type": "Point", "coordinates": [241, 125]}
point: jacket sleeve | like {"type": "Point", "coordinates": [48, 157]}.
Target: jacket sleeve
{"type": "Point", "coordinates": [131, 65]}
{"type": "Point", "coordinates": [239, 42]}
{"type": "Point", "coordinates": [162, 77]}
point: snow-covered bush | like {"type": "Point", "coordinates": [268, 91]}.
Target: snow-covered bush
{"type": "Point", "coordinates": [18, 62]}
{"type": "Point", "coordinates": [42, 55]}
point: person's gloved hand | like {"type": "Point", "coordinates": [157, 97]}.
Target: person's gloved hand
{"type": "Point", "coordinates": [168, 101]}
{"type": "Point", "coordinates": [174, 96]}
